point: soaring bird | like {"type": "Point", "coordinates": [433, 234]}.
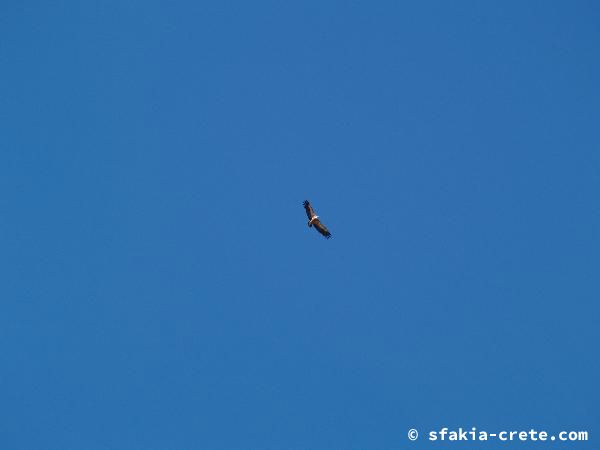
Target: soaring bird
{"type": "Point", "coordinates": [313, 220]}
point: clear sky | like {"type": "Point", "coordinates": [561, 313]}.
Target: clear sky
{"type": "Point", "coordinates": [160, 286]}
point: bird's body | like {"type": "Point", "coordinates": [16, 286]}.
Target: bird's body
{"type": "Point", "coordinates": [313, 220]}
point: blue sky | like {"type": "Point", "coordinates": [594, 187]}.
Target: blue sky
{"type": "Point", "coordinates": [161, 290]}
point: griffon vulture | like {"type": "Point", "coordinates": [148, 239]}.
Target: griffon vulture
{"type": "Point", "coordinates": [313, 220]}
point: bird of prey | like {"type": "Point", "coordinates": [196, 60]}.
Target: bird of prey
{"type": "Point", "coordinates": [313, 220]}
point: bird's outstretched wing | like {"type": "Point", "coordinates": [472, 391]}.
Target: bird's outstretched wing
{"type": "Point", "coordinates": [321, 228]}
{"type": "Point", "coordinates": [310, 212]}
